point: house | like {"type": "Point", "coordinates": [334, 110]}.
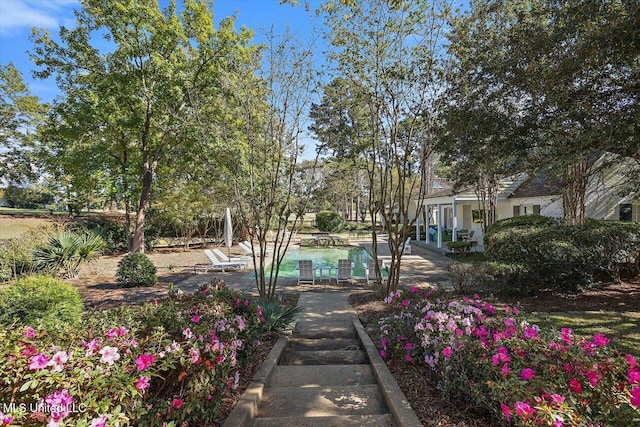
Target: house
{"type": "Point", "coordinates": [446, 212]}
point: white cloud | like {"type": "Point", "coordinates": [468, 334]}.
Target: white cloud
{"type": "Point", "coordinates": [16, 15]}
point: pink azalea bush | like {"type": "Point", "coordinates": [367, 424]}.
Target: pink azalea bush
{"type": "Point", "coordinates": [162, 363]}
{"type": "Point", "coordinates": [496, 360]}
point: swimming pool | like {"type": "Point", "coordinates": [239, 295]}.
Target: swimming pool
{"type": "Point", "coordinates": [323, 256]}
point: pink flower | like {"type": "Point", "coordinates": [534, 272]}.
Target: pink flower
{"type": "Point", "coordinates": [109, 355]}
{"type": "Point", "coordinates": [144, 361]}
{"type": "Point", "coordinates": [383, 354]}
{"type": "Point", "coordinates": [116, 332]}
{"type": "Point", "coordinates": [558, 422]}
{"type": "Point", "coordinates": [575, 386]}
{"type": "Point", "coordinates": [523, 409]}
{"type": "Point", "coordinates": [634, 376]}
{"type": "Point", "coordinates": [195, 318]}
{"type": "Point", "coordinates": [567, 335]}
{"type": "Point", "coordinates": [502, 356]}
{"type": "Point", "coordinates": [593, 378]}
{"type": "Point", "coordinates": [405, 302]}
{"type": "Point", "coordinates": [635, 397]}
{"type": "Point", "coordinates": [408, 358]}
{"type": "Point", "coordinates": [142, 384]}
{"type": "Point", "coordinates": [631, 361]}
{"type": "Point", "coordinates": [194, 353]}
{"type": "Point", "coordinates": [414, 289]}
{"type": "Point", "coordinates": [556, 398]}
{"type": "Point", "coordinates": [383, 342]}
{"type": "Point", "coordinates": [600, 340]}
{"type": "Point", "coordinates": [187, 333]}
{"type": "Point", "coordinates": [527, 374]}
{"type": "Point", "coordinates": [506, 411]}
{"type": "Point", "coordinates": [92, 346]}
{"type": "Point", "coordinates": [177, 403]}
{"type": "Point", "coordinates": [408, 346]}
{"type": "Point", "coordinates": [5, 419]}
{"type": "Point", "coordinates": [58, 360]}
{"type": "Point", "coordinates": [101, 421]}
{"type": "Point", "coordinates": [447, 352]}
{"type": "Point", "coordinates": [29, 332]}
{"type": "Point", "coordinates": [38, 361]}
{"type": "Point", "coordinates": [530, 333]}
{"type": "Point", "coordinates": [505, 370]}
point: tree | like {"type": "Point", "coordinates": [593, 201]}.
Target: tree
{"type": "Point", "coordinates": [135, 102]}
{"type": "Point", "coordinates": [389, 53]}
{"type": "Point", "coordinates": [562, 78]}
{"type": "Point", "coordinates": [271, 187]}
{"type": "Point", "coordinates": [20, 115]}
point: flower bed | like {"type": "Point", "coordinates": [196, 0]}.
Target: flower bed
{"type": "Point", "coordinates": [161, 363]}
{"type": "Point", "coordinates": [520, 374]}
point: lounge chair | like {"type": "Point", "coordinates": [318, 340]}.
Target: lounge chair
{"type": "Point", "coordinates": [370, 269]}
{"type": "Point", "coordinates": [222, 257]}
{"type": "Point", "coordinates": [246, 248]}
{"type": "Point", "coordinates": [307, 273]}
{"type": "Point", "coordinates": [344, 272]}
{"type": "Point", "coordinates": [405, 248]}
{"type": "Point", "coordinates": [218, 265]}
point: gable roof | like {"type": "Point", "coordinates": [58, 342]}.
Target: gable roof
{"type": "Point", "coordinates": [540, 185]}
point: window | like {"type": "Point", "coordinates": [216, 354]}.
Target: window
{"type": "Point", "coordinates": [625, 212]}
{"type": "Point", "coordinates": [528, 209]}
{"type": "Point", "coordinates": [516, 211]}
{"type": "Point", "coordinates": [478, 215]}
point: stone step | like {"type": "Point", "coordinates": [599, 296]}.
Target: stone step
{"type": "Point", "coordinates": [324, 357]}
{"type": "Point", "coordinates": [298, 343]}
{"type": "Point", "coordinates": [323, 328]}
{"type": "Point", "coordinates": [321, 375]}
{"type": "Point", "coordinates": [321, 401]}
{"type": "Point", "coordinates": [335, 421]}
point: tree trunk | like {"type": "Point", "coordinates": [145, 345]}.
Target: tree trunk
{"type": "Point", "coordinates": [138, 244]}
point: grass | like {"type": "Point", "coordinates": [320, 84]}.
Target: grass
{"type": "Point", "coordinates": [12, 227]}
{"type": "Point", "coordinates": [623, 328]}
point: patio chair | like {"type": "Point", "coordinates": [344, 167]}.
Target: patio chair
{"type": "Point", "coordinates": [222, 257]}
{"type": "Point", "coordinates": [468, 236]}
{"type": "Point", "coordinates": [217, 265]}
{"type": "Point", "coordinates": [307, 273]}
{"type": "Point", "coordinates": [246, 246]}
{"type": "Point", "coordinates": [344, 272]}
{"type": "Point", "coordinates": [370, 269]}
{"type": "Point", "coordinates": [462, 234]}
{"type": "Point", "coordinates": [405, 248]}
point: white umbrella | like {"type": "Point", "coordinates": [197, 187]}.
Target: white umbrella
{"type": "Point", "coordinates": [228, 231]}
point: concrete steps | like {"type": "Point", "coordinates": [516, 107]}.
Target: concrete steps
{"type": "Point", "coordinates": [327, 373]}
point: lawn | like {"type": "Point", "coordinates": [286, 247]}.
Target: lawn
{"type": "Point", "coordinates": [623, 328]}
{"type": "Point", "coordinates": [12, 226]}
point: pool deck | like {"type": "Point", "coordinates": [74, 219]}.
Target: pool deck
{"type": "Point", "coordinates": [423, 267]}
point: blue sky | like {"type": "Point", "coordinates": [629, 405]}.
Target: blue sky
{"type": "Point", "coordinates": [18, 16]}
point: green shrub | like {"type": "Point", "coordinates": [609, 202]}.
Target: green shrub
{"type": "Point", "coordinates": [565, 258]}
{"type": "Point", "coordinates": [277, 317]}
{"type": "Point", "coordinates": [111, 229]}
{"type": "Point", "coordinates": [491, 277]}
{"type": "Point", "coordinates": [461, 247]}
{"type": "Point", "coordinates": [136, 269]}
{"type": "Point", "coordinates": [330, 221]}
{"type": "Point", "coordinates": [40, 300]}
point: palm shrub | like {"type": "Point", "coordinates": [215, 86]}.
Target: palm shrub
{"type": "Point", "coordinates": [276, 316]}
{"type": "Point", "coordinates": [40, 300]}
{"type": "Point", "coordinates": [66, 251]}
{"type": "Point", "coordinates": [136, 269]}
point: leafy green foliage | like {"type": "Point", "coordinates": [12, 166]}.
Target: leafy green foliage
{"type": "Point", "coordinates": [330, 221]}
{"type": "Point", "coordinates": [136, 269]}
{"type": "Point", "coordinates": [566, 258]}
{"type": "Point", "coordinates": [461, 247]}
{"type": "Point", "coordinates": [66, 251]}
{"type": "Point", "coordinates": [110, 229]}
{"type": "Point", "coordinates": [27, 198]}
{"type": "Point", "coordinates": [165, 363]}
{"type": "Point", "coordinates": [276, 316]}
{"type": "Point", "coordinates": [40, 301]}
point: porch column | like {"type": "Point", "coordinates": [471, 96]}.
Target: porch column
{"type": "Point", "coordinates": [454, 209]}
{"type": "Point", "coordinates": [439, 223]}
{"type": "Point", "coordinates": [417, 226]}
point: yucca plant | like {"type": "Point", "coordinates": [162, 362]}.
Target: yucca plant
{"type": "Point", "coordinates": [65, 252]}
{"type": "Point", "coordinates": [277, 317]}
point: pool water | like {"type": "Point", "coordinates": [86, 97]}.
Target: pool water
{"type": "Point", "coordinates": [323, 256]}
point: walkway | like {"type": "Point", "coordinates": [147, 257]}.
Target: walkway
{"type": "Point", "coordinates": [328, 372]}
